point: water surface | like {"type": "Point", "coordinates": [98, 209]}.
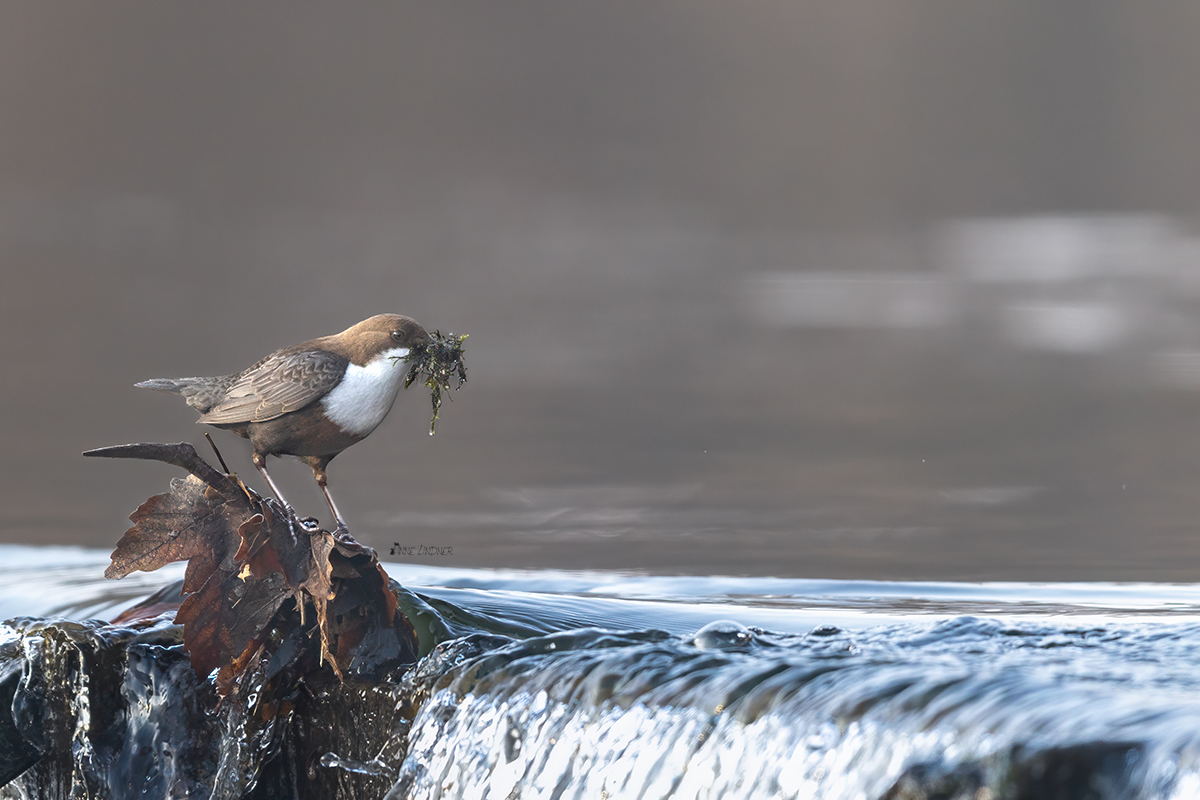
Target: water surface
{"type": "Point", "coordinates": [579, 684]}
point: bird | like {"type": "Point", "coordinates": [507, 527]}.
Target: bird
{"type": "Point", "coordinates": [311, 400]}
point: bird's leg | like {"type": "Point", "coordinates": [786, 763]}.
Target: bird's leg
{"type": "Point", "coordinates": [318, 468]}
{"type": "Point", "coordinates": [260, 461]}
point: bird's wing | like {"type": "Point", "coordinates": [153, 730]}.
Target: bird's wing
{"type": "Point", "coordinates": [277, 385]}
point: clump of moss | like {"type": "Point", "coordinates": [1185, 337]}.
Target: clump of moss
{"type": "Point", "coordinates": [439, 362]}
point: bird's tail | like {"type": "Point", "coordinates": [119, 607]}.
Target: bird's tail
{"type": "Point", "coordinates": [163, 384]}
{"type": "Point", "coordinates": [200, 393]}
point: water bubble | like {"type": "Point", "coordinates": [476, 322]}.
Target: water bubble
{"type": "Point", "coordinates": [723, 634]}
{"type": "Point", "coordinates": [825, 630]}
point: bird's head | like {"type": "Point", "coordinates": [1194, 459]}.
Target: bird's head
{"type": "Point", "coordinates": [393, 335]}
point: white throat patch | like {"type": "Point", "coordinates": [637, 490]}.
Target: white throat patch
{"type": "Point", "coordinates": [364, 397]}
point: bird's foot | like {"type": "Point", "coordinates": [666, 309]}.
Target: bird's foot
{"type": "Point", "coordinates": [307, 524]}
{"type": "Point", "coordinates": [292, 522]}
{"type": "Point", "coordinates": [278, 508]}
{"type": "Point", "coordinates": [342, 533]}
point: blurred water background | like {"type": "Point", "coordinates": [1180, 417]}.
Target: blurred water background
{"type": "Point", "coordinates": [854, 290]}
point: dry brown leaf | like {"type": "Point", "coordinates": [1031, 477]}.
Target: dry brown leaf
{"type": "Point", "coordinates": [245, 563]}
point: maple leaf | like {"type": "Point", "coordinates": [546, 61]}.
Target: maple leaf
{"type": "Point", "coordinates": [226, 616]}
{"type": "Point", "coordinates": [254, 573]}
{"type": "Point", "coordinates": [319, 587]}
{"type": "Point", "coordinates": [269, 544]}
{"type": "Point", "coordinates": [190, 523]}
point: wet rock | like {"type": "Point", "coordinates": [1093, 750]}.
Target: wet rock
{"type": "Point", "coordinates": [17, 753]}
{"type": "Point", "coordinates": [937, 781]}
{"type": "Point", "coordinates": [271, 670]}
{"type": "Point", "coordinates": [1087, 771]}
{"type": "Point", "coordinates": [102, 711]}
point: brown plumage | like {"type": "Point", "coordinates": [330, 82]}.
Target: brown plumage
{"type": "Point", "coordinates": [311, 400]}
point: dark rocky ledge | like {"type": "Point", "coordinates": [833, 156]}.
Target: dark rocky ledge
{"type": "Point", "coordinates": [280, 666]}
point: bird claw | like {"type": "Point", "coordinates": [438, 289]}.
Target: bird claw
{"type": "Point", "coordinates": [292, 522]}
{"type": "Point", "coordinates": [309, 525]}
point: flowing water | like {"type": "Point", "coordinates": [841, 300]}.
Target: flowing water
{"type": "Point", "coordinates": [568, 684]}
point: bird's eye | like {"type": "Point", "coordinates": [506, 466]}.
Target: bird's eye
{"type": "Point", "coordinates": [399, 336]}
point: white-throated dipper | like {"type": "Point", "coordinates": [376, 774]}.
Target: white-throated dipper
{"type": "Point", "coordinates": [311, 400]}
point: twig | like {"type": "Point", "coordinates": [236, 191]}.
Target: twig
{"type": "Point", "coordinates": [182, 455]}
{"type": "Point", "coordinates": [213, 445]}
